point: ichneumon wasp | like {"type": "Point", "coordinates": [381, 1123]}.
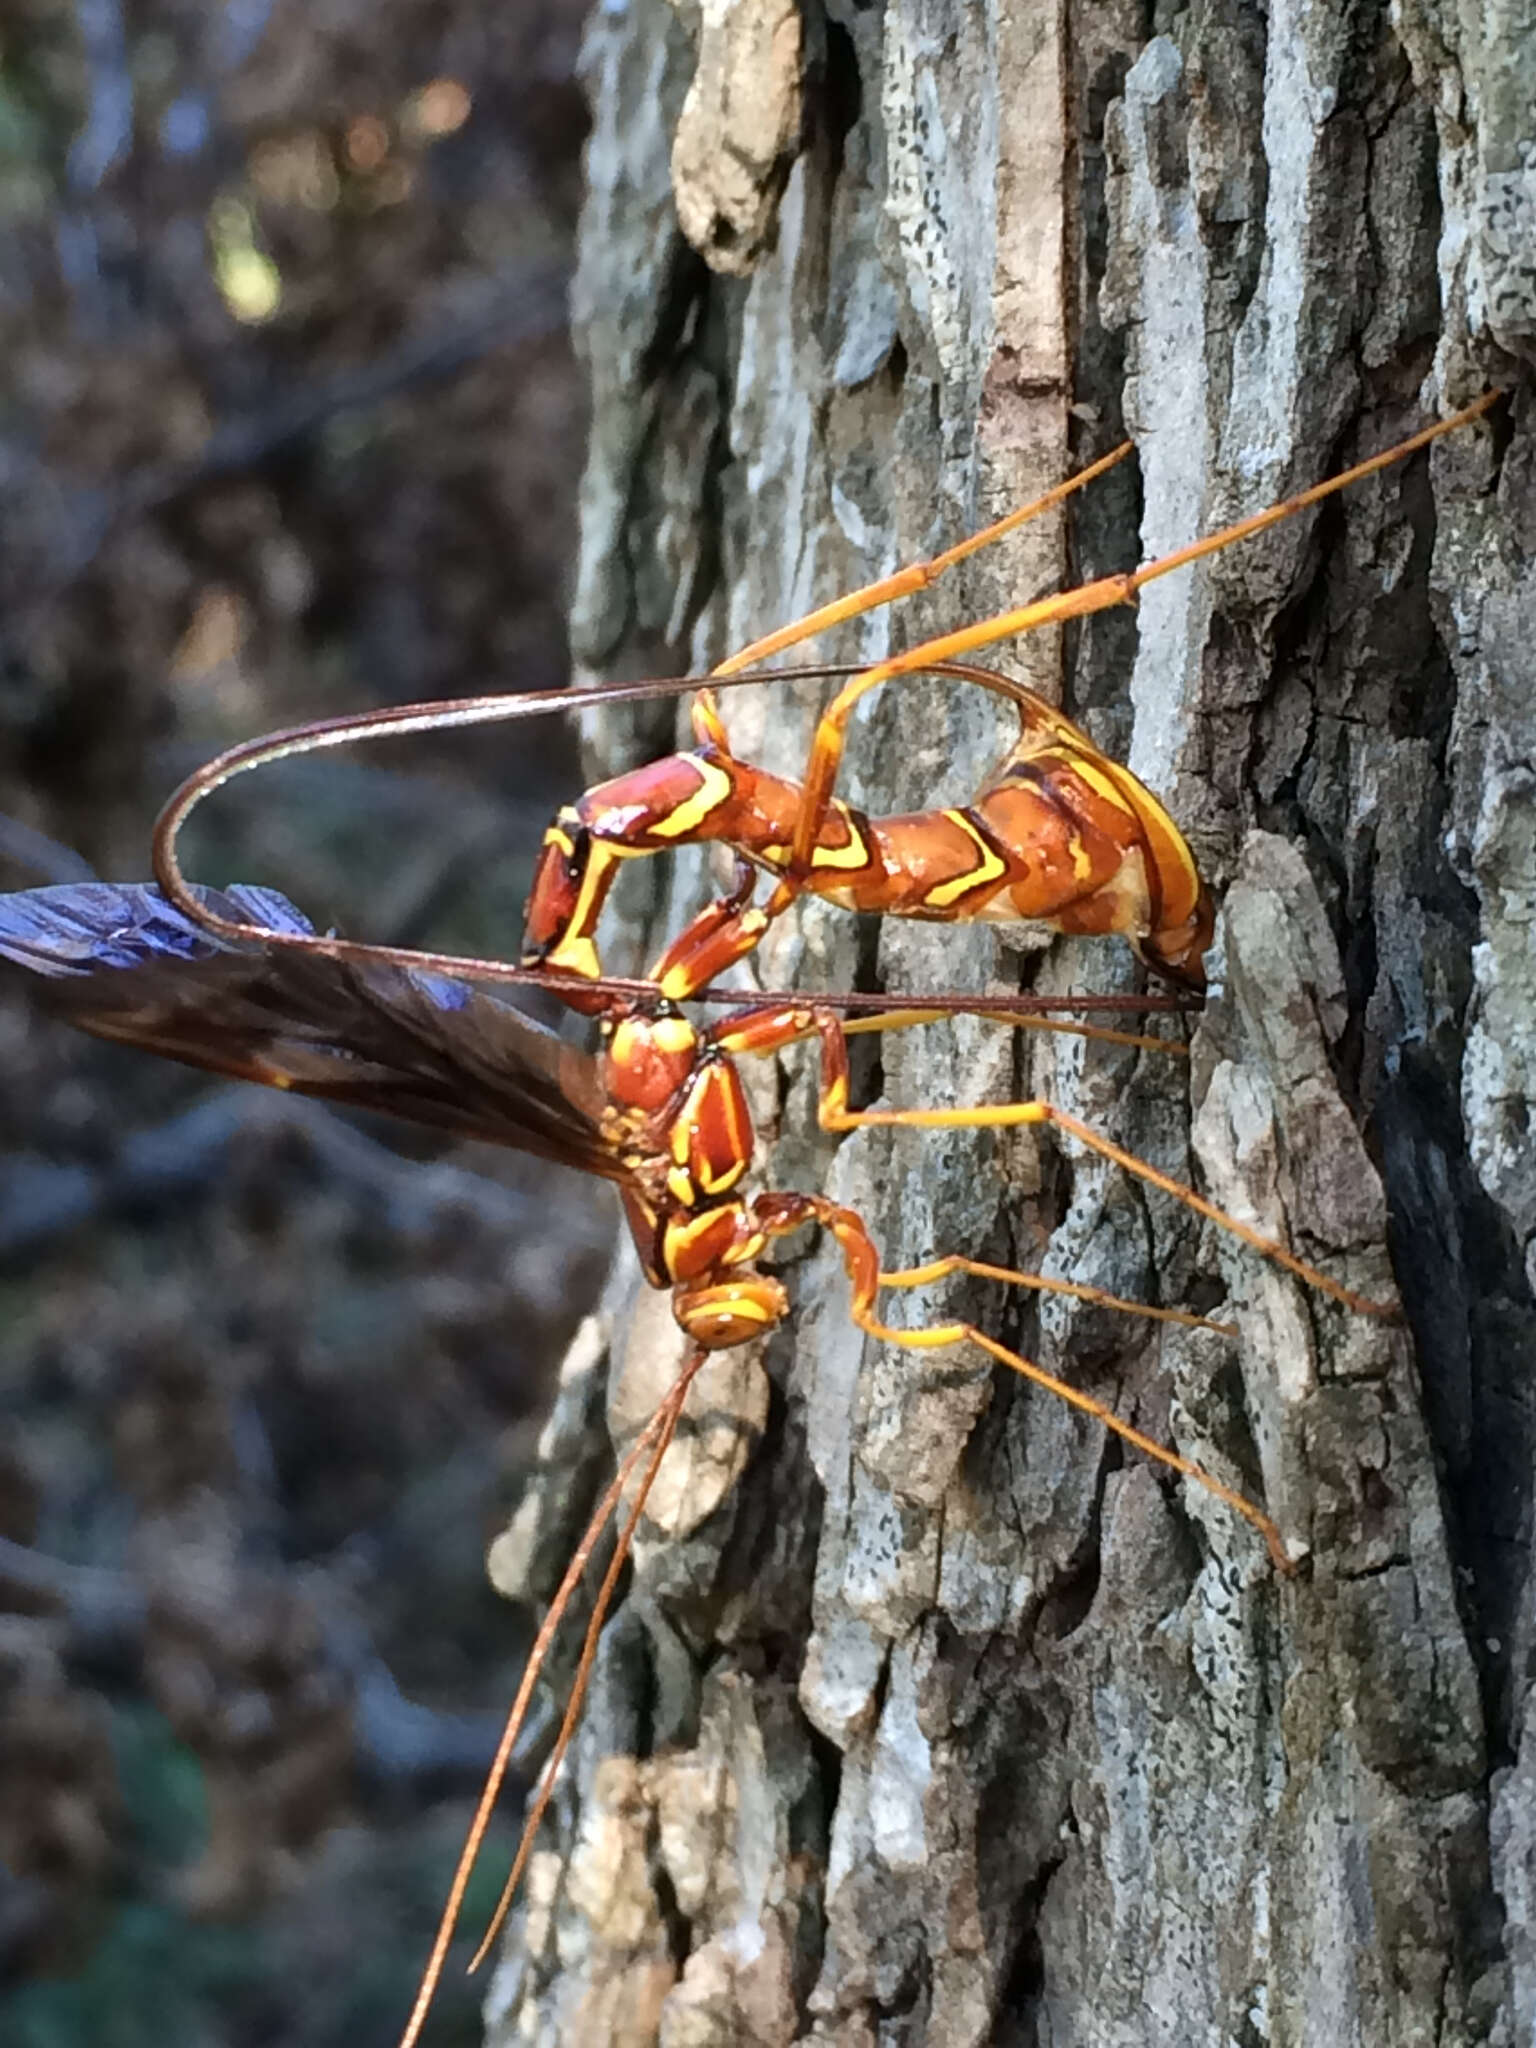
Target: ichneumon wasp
{"type": "Point", "coordinates": [240, 983]}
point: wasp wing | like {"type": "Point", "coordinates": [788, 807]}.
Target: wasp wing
{"type": "Point", "coordinates": [122, 962]}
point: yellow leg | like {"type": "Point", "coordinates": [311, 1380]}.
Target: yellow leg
{"type": "Point", "coordinates": [956, 1262]}
{"type": "Point", "coordinates": [779, 1215]}
{"type": "Point", "coordinates": [1100, 595]}
{"type": "Point", "coordinates": [942, 1335]}
{"type": "Point", "coordinates": [1009, 1115]}
{"type": "Point", "coordinates": [1058, 1027]}
{"type": "Point", "coordinates": [736, 1036]}
{"type": "Point", "coordinates": [917, 575]}
{"type": "Point", "coordinates": [834, 1114]}
{"type": "Point", "coordinates": [863, 1266]}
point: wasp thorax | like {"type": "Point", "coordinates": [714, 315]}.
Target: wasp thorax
{"type": "Point", "coordinates": [649, 1059]}
{"type": "Point", "coordinates": [732, 1313]}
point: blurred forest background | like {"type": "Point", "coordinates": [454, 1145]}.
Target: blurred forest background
{"type": "Point", "coordinates": [289, 424]}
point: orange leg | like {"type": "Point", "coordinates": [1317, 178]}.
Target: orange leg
{"type": "Point", "coordinates": [787, 1212]}
{"type": "Point", "coordinates": [770, 1029]}
{"type": "Point", "coordinates": [723, 933]}
{"type": "Point", "coordinates": [1007, 1115]}
{"type": "Point", "coordinates": [835, 1115]}
{"type": "Point", "coordinates": [889, 589]}
{"type": "Point", "coordinates": [1041, 1283]}
{"type": "Point", "coordinates": [766, 1030]}
{"type": "Point", "coordinates": [1101, 595]}
{"type": "Point", "coordinates": [1100, 1034]}
{"type": "Point", "coordinates": [775, 1025]}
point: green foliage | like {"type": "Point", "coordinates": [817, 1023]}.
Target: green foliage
{"type": "Point", "coordinates": [149, 1975]}
{"type": "Point", "coordinates": [152, 1978]}
{"type": "Point", "coordinates": [26, 189]}
{"type": "Point", "coordinates": [161, 1783]}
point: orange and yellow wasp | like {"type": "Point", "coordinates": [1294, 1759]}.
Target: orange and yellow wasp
{"type": "Point", "coordinates": [1060, 835]}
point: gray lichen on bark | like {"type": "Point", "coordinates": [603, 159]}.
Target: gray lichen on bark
{"type": "Point", "coordinates": [929, 1717]}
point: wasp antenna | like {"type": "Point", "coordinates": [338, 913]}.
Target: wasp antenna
{"type": "Point", "coordinates": [654, 1438]}
{"type": "Point", "coordinates": [659, 1433]}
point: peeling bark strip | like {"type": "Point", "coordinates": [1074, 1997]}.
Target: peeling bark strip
{"type": "Point", "coordinates": [941, 1725]}
{"type": "Point", "coordinates": [739, 129]}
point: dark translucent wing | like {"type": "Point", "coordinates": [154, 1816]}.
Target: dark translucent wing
{"type": "Point", "coordinates": [123, 963]}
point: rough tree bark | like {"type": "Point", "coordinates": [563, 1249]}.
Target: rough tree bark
{"type": "Point", "coordinates": [929, 1717]}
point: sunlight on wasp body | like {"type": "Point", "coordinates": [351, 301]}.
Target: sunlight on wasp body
{"type": "Point", "coordinates": [240, 983]}
{"type": "Point", "coordinates": [1061, 835]}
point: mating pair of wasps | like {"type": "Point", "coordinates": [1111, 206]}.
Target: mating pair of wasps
{"type": "Point", "coordinates": [238, 981]}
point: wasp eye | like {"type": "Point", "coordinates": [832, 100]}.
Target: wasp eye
{"type": "Point", "coordinates": [580, 842]}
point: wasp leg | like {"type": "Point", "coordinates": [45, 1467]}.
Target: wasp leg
{"type": "Point", "coordinates": [863, 1266]}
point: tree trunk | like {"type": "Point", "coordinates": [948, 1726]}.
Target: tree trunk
{"type": "Point", "coordinates": [930, 1716]}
